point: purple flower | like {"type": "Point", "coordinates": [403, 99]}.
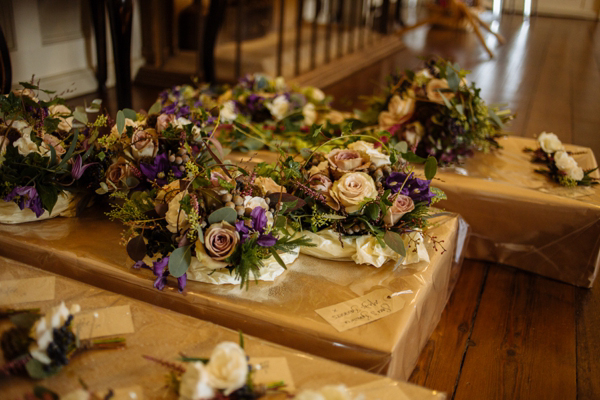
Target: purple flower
{"type": "Point", "coordinates": [415, 188]}
{"type": "Point", "coordinates": [259, 219]}
{"type": "Point", "coordinates": [161, 272]}
{"type": "Point", "coordinates": [259, 224]}
{"type": "Point", "coordinates": [78, 168]}
{"type": "Point", "coordinates": [161, 164]}
{"type": "Point", "coordinates": [27, 197]}
{"type": "Point", "coordinates": [181, 282]}
{"type": "Point", "coordinates": [140, 264]}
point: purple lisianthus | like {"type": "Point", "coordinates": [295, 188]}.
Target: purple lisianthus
{"type": "Point", "coordinates": [162, 272]}
{"type": "Point", "coordinates": [26, 197]}
{"type": "Point", "coordinates": [161, 164]}
{"type": "Point", "coordinates": [259, 224]}
{"type": "Point", "coordinates": [415, 188]}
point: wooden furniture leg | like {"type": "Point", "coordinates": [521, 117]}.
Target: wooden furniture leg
{"type": "Point", "coordinates": [214, 20]}
{"type": "Point", "coordinates": [98, 21]}
{"type": "Point", "coordinates": [5, 67]}
{"type": "Point", "coordinates": [499, 37]}
{"type": "Point", "coordinates": [465, 10]}
{"type": "Point", "coordinates": [119, 15]}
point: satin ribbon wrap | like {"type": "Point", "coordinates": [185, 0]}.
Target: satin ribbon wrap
{"type": "Point", "coordinates": [364, 249]}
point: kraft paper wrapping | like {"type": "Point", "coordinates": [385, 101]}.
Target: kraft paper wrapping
{"type": "Point", "coordinates": [163, 334]}
{"type": "Point", "coordinates": [521, 218]}
{"type": "Point", "coordinates": [282, 311]}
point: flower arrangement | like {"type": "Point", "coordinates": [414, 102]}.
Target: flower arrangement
{"type": "Point", "coordinates": [40, 345]}
{"type": "Point", "coordinates": [228, 374]}
{"type": "Point", "coordinates": [561, 166]}
{"type": "Point", "coordinates": [359, 200]}
{"type": "Point", "coordinates": [437, 113]}
{"type": "Point", "coordinates": [261, 111]}
{"type": "Point", "coordinates": [200, 218]}
{"type": "Point", "coordinates": [43, 160]}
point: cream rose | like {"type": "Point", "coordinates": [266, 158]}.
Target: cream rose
{"type": "Point", "coordinates": [310, 113]}
{"type": "Point", "coordinates": [433, 93]}
{"type": "Point", "coordinates": [53, 141]}
{"type": "Point", "coordinates": [413, 133]}
{"type": "Point", "coordinates": [175, 216]}
{"type": "Point", "coordinates": [313, 93]}
{"type": "Point", "coordinates": [253, 202]}
{"type": "Point", "coordinates": [550, 143]}
{"type": "Point", "coordinates": [63, 113]}
{"type": "Point", "coordinates": [220, 240]}
{"type": "Point", "coordinates": [377, 157]}
{"type": "Point", "coordinates": [128, 122]}
{"type": "Point", "coordinates": [279, 107]}
{"type": "Point", "coordinates": [342, 161]}
{"type": "Point", "coordinates": [144, 143]}
{"type": "Point", "coordinates": [268, 185]}
{"type": "Point", "coordinates": [195, 383]}
{"type": "Point", "coordinates": [228, 113]}
{"type": "Point", "coordinates": [399, 110]}
{"type": "Point", "coordinates": [117, 173]}
{"type": "Point", "coordinates": [401, 205]}
{"type": "Point", "coordinates": [228, 367]}
{"type": "Point", "coordinates": [27, 93]}
{"type": "Point", "coordinates": [25, 145]}
{"type": "Point", "coordinates": [352, 189]}
{"type": "Point", "coordinates": [568, 165]}
{"type": "Point", "coordinates": [163, 121]}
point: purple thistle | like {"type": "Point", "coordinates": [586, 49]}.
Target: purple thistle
{"type": "Point", "coordinates": [27, 197]}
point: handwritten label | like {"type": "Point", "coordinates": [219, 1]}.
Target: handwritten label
{"type": "Point", "coordinates": [272, 369]}
{"type": "Point", "coordinates": [362, 310]}
{"type": "Point", "coordinates": [27, 290]}
{"type": "Point", "coordinates": [104, 322]}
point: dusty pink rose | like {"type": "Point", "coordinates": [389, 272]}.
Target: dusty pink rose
{"type": "Point", "coordinates": [144, 143]}
{"type": "Point", "coordinates": [220, 240]}
{"type": "Point", "coordinates": [320, 183]}
{"type": "Point", "coordinates": [342, 161]}
{"type": "Point", "coordinates": [117, 172]}
{"type": "Point", "coordinates": [402, 205]}
{"type": "Point", "coordinates": [163, 121]}
{"type": "Point", "coordinates": [54, 142]}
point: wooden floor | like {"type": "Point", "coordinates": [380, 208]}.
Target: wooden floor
{"type": "Point", "coordinates": [508, 334]}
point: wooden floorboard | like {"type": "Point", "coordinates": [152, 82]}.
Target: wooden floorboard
{"type": "Point", "coordinates": [588, 345]}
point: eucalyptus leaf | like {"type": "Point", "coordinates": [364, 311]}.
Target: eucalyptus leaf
{"type": "Point", "coordinates": [120, 122]}
{"type": "Point", "coordinates": [402, 147]}
{"type": "Point", "coordinates": [495, 118]}
{"type": "Point", "coordinates": [395, 242]}
{"type": "Point", "coordinates": [132, 181]}
{"type": "Point", "coordinates": [180, 260]}
{"type": "Point", "coordinates": [37, 370]}
{"type": "Point", "coordinates": [372, 211]}
{"type": "Point", "coordinates": [223, 214]}
{"type": "Point", "coordinates": [452, 78]}
{"type": "Point", "coordinates": [80, 116]}
{"type": "Point", "coordinates": [430, 168]}
{"type": "Point", "coordinates": [24, 320]}
{"type": "Point", "coordinates": [136, 248]}
{"type": "Point", "coordinates": [413, 158]}
{"type": "Point", "coordinates": [130, 114]}
{"type": "Point", "coordinates": [155, 109]}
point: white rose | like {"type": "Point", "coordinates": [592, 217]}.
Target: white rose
{"type": "Point", "coordinates": [568, 165]}
{"type": "Point", "coordinates": [399, 110]}
{"type": "Point", "coordinates": [310, 113]}
{"type": "Point", "coordinates": [194, 383]}
{"type": "Point", "coordinates": [550, 143]}
{"type": "Point", "coordinates": [352, 189]}
{"type": "Point", "coordinates": [62, 113]}
{"type": "Point", "coordinates": [25, 145]}
{"type": "Point", "coordinates": [79, 394]}
{"type": "Point", "coordinates": [377, 157]}
{"type": "Point", "coordinates": [174, 217]}
{"type": "Point", "coordinates": [279, 107]}
{"type": "Point", "coordinates": [253, 202]}
{"type": "Point", "coordinates": [196, 132]}
{"type": "Point", "coordinates": [433, 90]}
{"type": "Point", "coordinates": [228, 113]}
{"type": "Point", "coordinates": [402, 205]}
{"type": "Point", "coordinates": [228, 367]}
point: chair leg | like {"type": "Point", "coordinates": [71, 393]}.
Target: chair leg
{"type": "Point", "coordinates": [120, 17]}
{"type": "Point", "coordinates": [5, 67]}
{"type": "Point", "coordinates": [98, 20]}
{"type": "Point", "coordinates": [216, 15]}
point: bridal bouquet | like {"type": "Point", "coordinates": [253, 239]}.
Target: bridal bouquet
{"type": "Point", "coordinates": [260, 111]}
{"type": "Point", "coordinates": [198, 218]}
{"type": "Point", "coordinates": [360, 201]}
{"type": "Point", "coordinates": [40, 345]}
{"type": "Point", "coordinates": [561, 166]}
{"type": "Point", "coordinates": [437, 113]}
{"type": "Point", "coordinates": [43, 160]}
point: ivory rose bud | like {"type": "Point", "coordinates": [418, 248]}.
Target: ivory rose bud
{"type": "Point", "coordinates": [117, 172]}
{"type": "Point", "coordinates": [268, 185]}
{"type": "Point", "coordinates": [568, 165]}
{"type": "Point", "coordinates": [228, 113]}
{"type": "Point", "coordinates": [433, 93]}
{"type": "Point", "coordinates": [175, 216]}
{"type": "Point", "coordinates": [550, 143]}
{"type": "Point", "coordinates": [144, 143]}
{"type": "Point", "coordinates": [279, 107]}
{"type": "Point", "coordinates": [220, 240]}
{"type": "Point", "coordinates": [228, 367]}
{"type": "Point", "coordinates": [377, 157]}
{"type": "Point", "coordinates": [194, 383]}
{"type": "Point", "coordinates": [352, 189]}
{"type": "Point", "coordinates": [402, 204]}
{"type": "Point", "coordinates": [63, 113]}
{"type": "Point", "coordinates": [399, 110]}
{"type": "Point", "coordinates": [320, 183]}
{"type": "Point", "coordinates": [310, 113]}
{"type": "Point", "coordinates": [342, 161]}
{"type": "Point", "coordinates": [163, 121]}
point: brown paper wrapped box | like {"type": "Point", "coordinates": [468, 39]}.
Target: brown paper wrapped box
{"type": "Point", "coordinates": [87, 249]}
{"type": "Point", "coordinates": [164, 334]}
{"type": "Point", "coordinates": [521, 218]}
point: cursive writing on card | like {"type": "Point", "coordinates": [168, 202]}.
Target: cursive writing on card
{"type": "Point", "coordinates": [362, 310]}
{"type": "Point", "coordinates": [27, 290]}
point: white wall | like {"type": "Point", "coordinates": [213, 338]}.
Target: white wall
{"type": "Point", "coordinates": [588, 9]}
{"type": "Point", "coordinates": [62, 59]}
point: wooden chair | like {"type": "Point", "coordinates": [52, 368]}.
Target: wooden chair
{"type": "Point", "coordinates": [5, 68]}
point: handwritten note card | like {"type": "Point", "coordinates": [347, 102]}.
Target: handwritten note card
{"type": "Point", "coordinates": [27, 290]}
{"type": "Point", "coordinates": [104, 322]}
{"type": "Point", "coordinates": [362, 310]}
{"type": "Point", "coordinates": [272, 369]}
